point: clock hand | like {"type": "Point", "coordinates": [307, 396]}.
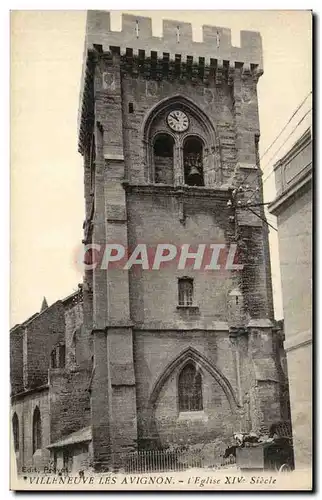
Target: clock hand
{"type": "Point", "coordinates": [174, 116]}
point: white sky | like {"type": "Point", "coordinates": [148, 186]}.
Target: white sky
{"type": "Point", "coordinates": [47, 204]}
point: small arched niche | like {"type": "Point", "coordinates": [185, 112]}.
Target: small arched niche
{"type": "Point", "coordinates": [163, 148]}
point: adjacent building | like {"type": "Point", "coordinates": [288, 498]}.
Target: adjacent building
{"type": "Point", "coordinates": [293, 209]}
{"type": "Point", "coordinates": [50, 367]}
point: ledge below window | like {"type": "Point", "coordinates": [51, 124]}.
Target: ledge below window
{"type": "Point", "coordinates": [193, 415]}
{"type": "Point", "coordinates": [188, 312]}
{"type": "Point", "coordinates": [190, 308]}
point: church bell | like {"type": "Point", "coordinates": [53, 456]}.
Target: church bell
{"type": "Point", "coordinates": [194, 177]}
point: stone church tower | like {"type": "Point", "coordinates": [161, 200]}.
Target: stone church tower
{"type": "Point", "coordinates": [169, 132]}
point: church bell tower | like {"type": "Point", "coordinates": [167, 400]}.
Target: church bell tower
{"type": "Point", "coordinates": [169, 133]}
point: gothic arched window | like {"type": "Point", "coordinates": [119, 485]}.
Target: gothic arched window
{"type": "Point", "coordinates": [36, 430]}
{"type": "Point", "coordinates": [190, 389]}
{"type": "Point", "coordinates": [185, 291]}
{"type": "Point", "coordinates": [192, 161]}
{"type": "Point", "coordinates": [15, 430]}
{"type": "Point", "coordinates": [163, 158]}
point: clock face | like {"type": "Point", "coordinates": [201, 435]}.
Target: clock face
{"type": "Point", "coordinates": [178, 120]}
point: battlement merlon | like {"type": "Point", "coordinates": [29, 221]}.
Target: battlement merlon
{"type": "Point", "coordinates": [136, 34]}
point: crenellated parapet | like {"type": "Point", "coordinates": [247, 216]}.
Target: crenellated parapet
{"type": "Point", "coordinates": [136, 34]}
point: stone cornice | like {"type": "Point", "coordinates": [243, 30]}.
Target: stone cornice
{"type": "Point", "coordinates": [29, 392]}
{"type": "Point", "coordinates": [303, 182]}
{"type": "Point", "coordinates": [216, 72]}
{"type": "Point", "coordinates": [260, 323]}
{"type": "Point", "coordinates": [301, 339]}
{"type": "Point", "coordinates": [219, 193]}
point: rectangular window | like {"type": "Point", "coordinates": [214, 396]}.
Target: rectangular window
{"type": "Point", "coordinates": [185, 289]}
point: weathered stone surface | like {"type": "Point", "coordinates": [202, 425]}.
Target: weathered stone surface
{"type": "Point", "coordinates": [129, 341]}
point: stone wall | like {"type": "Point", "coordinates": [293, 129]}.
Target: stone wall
{"type": "Point", "coordinates": [144, 94]}
{"type": "Point", "coordinates": [155, 218]}
{"type": "Point", "coordinates": [16, 360]}
{"type": "Point", "coordinates": [62, 394]}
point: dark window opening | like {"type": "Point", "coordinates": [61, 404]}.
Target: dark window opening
{"type": "Point", "coordinates": [36, 430]}
{"type": "Point", "coordinates": [185, 291]}
{"type": "Point", "coordinates": [15, 430]}
{"type": "Point", "coordinates": [131, 107]}
{"type": "Point", "coordinates": [190, 389]}
{"type": "Point", "coordinates": [163, 159]}
{"type": "Point", "coordinates": [62, 356]}
{"type": "Point", "coordinates": [192, 160]}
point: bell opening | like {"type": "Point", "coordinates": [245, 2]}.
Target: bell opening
{"type": "Point", "coordinates": [192, 158]}
{"type": "Point", "coordinates": [163, 159]}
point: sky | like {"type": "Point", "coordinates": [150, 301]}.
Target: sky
{"type": "Point", "coordinates": [47, 200]}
